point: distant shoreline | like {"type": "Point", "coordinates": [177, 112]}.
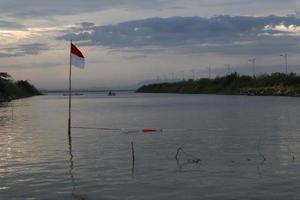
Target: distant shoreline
{"type": "Point", "coordinates": [4, 99]}
{"type": "Point", "coordinates": [276, 84]}
{"type": "Point", "coordinates": [87, 90]}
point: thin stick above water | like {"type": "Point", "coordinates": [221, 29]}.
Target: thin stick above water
{"type": "Point", "coordinates": [133, 157]}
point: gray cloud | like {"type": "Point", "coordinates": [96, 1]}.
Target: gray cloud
{"type": "Point", "coordinates": [135, 57]}
{"type": "Point", "coordinates": [10, 25]}
{"type": "Point", "coordinates": [44, 9]}
{"type": "Point", "coordinates": [39, 8]}
{"type": "Point", "coordinates": [23, 49]}
{"type": "Point", "coordinates": [242, 2]}
{"type": "Point", "coordinates": [221, 34]}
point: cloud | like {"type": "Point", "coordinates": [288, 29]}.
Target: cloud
{"type": "Point", "coordinates": [40, 8]}
{"type": "Point", "coordinates": [282, 29]}
{"type": "Point", "coordinates": [241, 2]}
{"type": "Point", "coordinates": [44, 9]}
{"type": "Point", "coordinates": [7, 25]}
{"type": "Point", "coordinates": [23, 49]}
{"type": "Point", "coordinates": [220, 34]}
{"type": "Point", "coordinates": [135, 57]}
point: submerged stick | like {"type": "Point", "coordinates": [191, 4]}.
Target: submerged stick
{"type": "Point", "coordinates": [259, 152]}
{"type": "Point", "coordinates": [133, 157]}
{"type": "Point", "coordinates": [192, 160]}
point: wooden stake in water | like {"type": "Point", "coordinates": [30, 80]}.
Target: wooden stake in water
{"type": "Point", "coordinates": [133, 157]}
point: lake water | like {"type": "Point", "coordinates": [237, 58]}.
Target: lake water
{"type": "Point", "coordinates": [249, 147]}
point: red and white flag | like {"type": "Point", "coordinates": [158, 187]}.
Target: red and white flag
{"type": "Point", "coordinates": [77, 58]}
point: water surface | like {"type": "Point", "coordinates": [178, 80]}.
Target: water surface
{"type": "Point", "coordinates": [248, 146]}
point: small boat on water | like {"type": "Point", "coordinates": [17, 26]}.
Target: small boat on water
{"type": "Point", "coordinates": [110, 93]}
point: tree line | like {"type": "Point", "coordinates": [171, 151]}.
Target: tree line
{"type": "Point", "coordinates": [11, 89]}
{"type": "Point", "coordinates": [280, 84]}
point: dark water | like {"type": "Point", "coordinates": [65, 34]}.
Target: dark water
{"type": "Point", "coordinates": [248, 146]}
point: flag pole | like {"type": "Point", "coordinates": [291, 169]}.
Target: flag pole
{"type": "Point", "coordinates": [70, 98]}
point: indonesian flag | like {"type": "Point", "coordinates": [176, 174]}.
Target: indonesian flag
{"type": "Point", "coordinates": [77, 58]}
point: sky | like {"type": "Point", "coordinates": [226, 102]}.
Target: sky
{"type": "Point", "coordinates": [126, 42]}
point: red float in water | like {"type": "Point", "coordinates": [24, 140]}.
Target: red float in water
{"type": "Point", "coordinates": [149, 130]}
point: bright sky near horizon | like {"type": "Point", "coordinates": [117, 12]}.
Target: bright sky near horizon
{"type": "Point", "coordinates": [128, 41]}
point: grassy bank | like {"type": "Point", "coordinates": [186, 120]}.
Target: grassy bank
{"type": "Point", "coordinates": [11, 89]}
{"type": "Point", "coordinates": [276, 84]}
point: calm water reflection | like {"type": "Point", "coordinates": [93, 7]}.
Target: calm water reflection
{"type": "Point", "coordinates": [248, 146]}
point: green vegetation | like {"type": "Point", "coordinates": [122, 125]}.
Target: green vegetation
{"type": "Point", "coordinates": [276, 84]}
{"type": "Point", "coordinates": [10, 89]}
